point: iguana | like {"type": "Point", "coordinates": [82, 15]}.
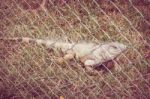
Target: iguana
{"type": "Point", "coordinates": [90, 54]}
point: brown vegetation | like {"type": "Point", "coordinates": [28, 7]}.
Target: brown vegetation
{"type": "Point", "coordinates": [31, 72]}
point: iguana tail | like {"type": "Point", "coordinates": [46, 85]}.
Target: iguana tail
{"type": "Point", "coordinates": [28, 40]}
{"type": "Point", "coordinates": [46, 43]}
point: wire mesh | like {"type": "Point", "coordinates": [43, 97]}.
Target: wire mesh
{"type": "Point", "coordinates": [33, 71]}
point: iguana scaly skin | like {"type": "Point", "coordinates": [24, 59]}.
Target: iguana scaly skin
{"type": "Point", "coordinates": [89, 54]}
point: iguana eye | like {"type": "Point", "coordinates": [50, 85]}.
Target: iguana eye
{"type": "Point", "coordinates": [114, 47]}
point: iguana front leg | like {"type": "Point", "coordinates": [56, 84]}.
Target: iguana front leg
{"type": "Point", "coordinates": [88, 62]}
{"type": "Point", "coordinates": [68, 56]}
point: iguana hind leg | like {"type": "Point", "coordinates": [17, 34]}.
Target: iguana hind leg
{"type": "Point", "coordinates": [68, 56]}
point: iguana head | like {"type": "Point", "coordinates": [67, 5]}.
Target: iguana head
{"type": "Point", "coordinates": [111, 50]}
{"type": "Point", "coordinates": [105, 52]}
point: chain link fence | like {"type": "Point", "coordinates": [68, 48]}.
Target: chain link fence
{"type": "Point", "coordinates": [31, 71]}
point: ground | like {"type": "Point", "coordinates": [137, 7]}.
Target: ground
{"type": "Point", "coordinates": [30, 71]}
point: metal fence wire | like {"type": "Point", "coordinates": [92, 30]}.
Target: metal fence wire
{"type": "Point", "coordinates": [33, 71]}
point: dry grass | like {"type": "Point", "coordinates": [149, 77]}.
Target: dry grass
{"type": "Point", "coordinates": [30, 71]}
